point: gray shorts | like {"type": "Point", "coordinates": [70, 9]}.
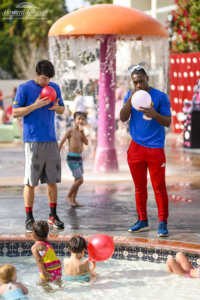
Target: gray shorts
{"type": "Point", "coordinates": [42, 162]}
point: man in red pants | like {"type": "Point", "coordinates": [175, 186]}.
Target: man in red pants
{"type": "Point", "coordinates": [146, 150]}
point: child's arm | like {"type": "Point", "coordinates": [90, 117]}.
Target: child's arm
{"type": "Point", "coordinates": [194, 273]}
{"type": "Point", "coordinates": [22, 287]}
{"type": "Point", "coordinates": [92, 267]}
{"type": "Point", "coordinates": [85, 140]}
{"type": "Point", "coordinates": [39, 263]}
{"type": "Point", "coordinates": [66, 136]}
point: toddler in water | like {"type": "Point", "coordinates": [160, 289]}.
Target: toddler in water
{"type": "Point", "coordinates": [48, 263]}
{"type": "Point", "coordinates": [74, 267]}
{"type": "Point", "coordinates": [9, 288]}
{"type": "Point", "coordinates": [182, 266]}
{"type": "Point", "coordinates": [76, 138]}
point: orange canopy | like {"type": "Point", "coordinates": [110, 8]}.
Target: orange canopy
{"type": "Point", "coordinates": [107, 19]}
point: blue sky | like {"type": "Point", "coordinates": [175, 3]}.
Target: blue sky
{"type": "Point", "coordinates": [72, 4]}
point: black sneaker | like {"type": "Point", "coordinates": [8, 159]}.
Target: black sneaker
{"type": "Point", "coordinates": [55, 221]}
{"type": "Point", "coordinates": [29, 225]}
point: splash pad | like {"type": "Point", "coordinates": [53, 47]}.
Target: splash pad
{"type": "Point", "coordinates": [101, 42]}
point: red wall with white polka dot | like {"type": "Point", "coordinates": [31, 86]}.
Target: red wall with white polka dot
{"type": "Point", "coordinates": [184, 72]}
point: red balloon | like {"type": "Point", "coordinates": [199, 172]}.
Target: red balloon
{"type": "Point", "coordinates": [49, 92]}
{"type": "Point", "coordinates": [100, 247]}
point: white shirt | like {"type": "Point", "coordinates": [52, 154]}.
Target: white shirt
{"type": "Point", "coordinates": [79, 103]}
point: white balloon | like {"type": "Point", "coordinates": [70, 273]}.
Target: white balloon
{"type": "Point", "coordinates": [141, 98]}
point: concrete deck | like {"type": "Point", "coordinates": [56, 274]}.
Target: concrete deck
{"type": "Point", "coordinates": [109, 200]}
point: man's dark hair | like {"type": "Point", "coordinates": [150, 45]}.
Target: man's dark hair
{"type": "Point", "coordinates": [77, 244]}
{"type": "Point", "coordinates": [80, 113]}
{"type": "Point", "coordinates": [45, 67]}
{"type": "Point", "coordinates": [142, 71]}
{"type": "Point", "coordinates": [41, 229]}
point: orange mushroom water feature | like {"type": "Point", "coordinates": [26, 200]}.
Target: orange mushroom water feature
{"type": "Point", "coordinates": [101, 33]}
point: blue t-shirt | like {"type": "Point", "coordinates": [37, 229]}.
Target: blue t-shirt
{"type": "Point", "coordinates": [39, 124]}
{"type": "Point", "coordinates": [149, 133]}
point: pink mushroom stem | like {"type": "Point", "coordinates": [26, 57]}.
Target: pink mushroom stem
{"type": "Point", "coordinates": [106, 156]}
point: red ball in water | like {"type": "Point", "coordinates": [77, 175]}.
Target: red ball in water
{"type": "Point", "coordinates": [100, 247]}
{"type": "Point", "coordinates": [49, 92]}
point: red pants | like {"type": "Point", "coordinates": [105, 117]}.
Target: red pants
{"type": "Point", "coordinates": [139, 159]}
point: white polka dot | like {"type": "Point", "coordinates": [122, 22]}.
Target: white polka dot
{"type": "Point", "coordinates": [175, 100]}
{"type": "Point", "coordinates": [191, 74]}
{"type": "Point", "coordinates": [189, 88]}
{"type": "Point", "coordinates": [177, 60]}
{"type": "Point", "coordinates": [194, 60]}
{"type": "Point", "coordinates": [181, 126]}
{"type": "Point", "coordinates": [175, 74]}
{"type": "Point", "coordinates": [173, 113]}
{"type": "Point", "coordinates": [177, 126]}
{"type": "Point", "coordinates": [188, 60]}
{"type": "Point", "coordinates": [172, 60]}
{"type": "Point", "coordinates": [172, 87]}
{"type": "Point", "coordinates": [197, 73]}
{"type": "Point", "coordinates": [189, 128]}
{"type": "Point", "coordinates": [187, 135]}
{"type": "Point", "coordinates": [180, 100]}
{"type": "Point", "coordinates": [182, 88]}
{"type": "Point", "coordinates": [185, 74]}
{"type": "Point", "coordinates": [182, 60]}
{"type": "Point", "coordinates": [179, 74]}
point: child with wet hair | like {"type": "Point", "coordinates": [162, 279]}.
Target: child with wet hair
{"type": "Point", "coordinates": [181, 266]}
{"type": "Point", "coordinates": [74, 267]}
{"type": "Point", "coordinates": [48, 264]}
{"type": "Point", "coordinates": [10, 288]}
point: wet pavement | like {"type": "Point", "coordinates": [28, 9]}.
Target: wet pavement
{"type": "Point", "coordinates": [108, 199]}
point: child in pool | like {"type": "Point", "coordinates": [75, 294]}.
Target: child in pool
{"type": "Point", "coordinates": [76, 269]}
{"type": "Point", "coordinates": [10, 289]}
{"type": "Point", "coordinates": [76, 138]}
{"type": "Point", "coordinates": [181, 266]}
{"type": "Point", "coordinates": [49, 265]}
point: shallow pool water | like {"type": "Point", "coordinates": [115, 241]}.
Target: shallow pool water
{"type": "Point", "coordinates": [117, 279]}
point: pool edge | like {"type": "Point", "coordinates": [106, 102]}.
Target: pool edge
{"type": "Point", "coordinates": [118, 240]}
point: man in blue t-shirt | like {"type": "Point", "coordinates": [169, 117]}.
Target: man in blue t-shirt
{"type": "Point", "coordinates": [42, 156]}
{"type": "Point", "coordinates": [146, 150]}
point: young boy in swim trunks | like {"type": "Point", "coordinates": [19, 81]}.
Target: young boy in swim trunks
{"type": "Point", "coordinates": [48, 264]}
{"type": "Point", "coordinates": [74, 267]}
{"type": "Point", "coordinates": [76, 138]}
{"type": "Point", "coordinates": [181, 266]}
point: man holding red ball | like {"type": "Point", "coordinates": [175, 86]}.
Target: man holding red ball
{"type": "Point", "coordinates": [42, 156]}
